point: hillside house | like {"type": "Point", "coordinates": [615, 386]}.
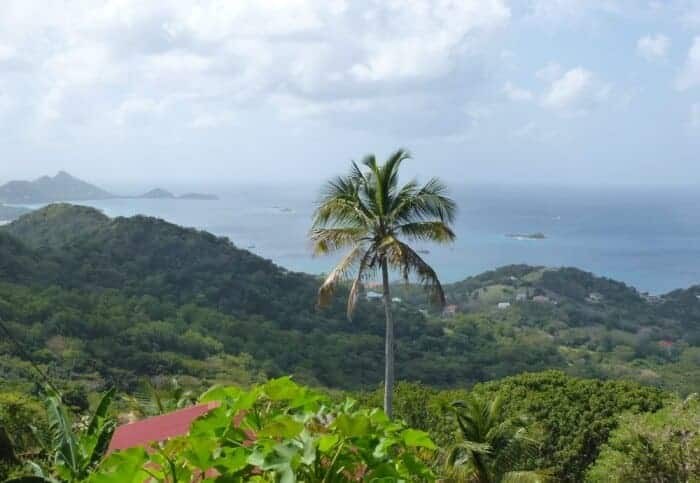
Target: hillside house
{"type": "Point", "coordinates": [541, 299]}
{"type": "Point", "coordinates": [371, 295]}
{"type": "Point", "coordinates": [503, 305]}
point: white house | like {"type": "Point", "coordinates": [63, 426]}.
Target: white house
{"type": "Point", "coordinates": [503, 305]}
{"type": "Point", "coordinates": [371, 295]}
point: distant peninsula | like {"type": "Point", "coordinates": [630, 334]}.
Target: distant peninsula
{"type": "Point", "coordinates": [65, 187]}
{"type": "Point", "coordinates": [527, 236]}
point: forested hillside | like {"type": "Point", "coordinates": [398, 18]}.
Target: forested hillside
{"type": "Point", "coordinates": [99, 300]}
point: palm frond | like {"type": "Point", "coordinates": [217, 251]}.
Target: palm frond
{"type": "Point", "coordinates": [389, 177]}
{"type": "Point", "coordinates": [341, 203]}
{"type": "Point", "coordinates": [428, 203]}
{"type": "Point", "coordinates": [328, 240]}
{"type": "Point", "coordinates": [365, 270]}
{"type": "Point", "coordinates": [339, 274]}
{"type": "Point", "coordinates": [402, 257]}
{"type": "Point", "coordinates": [434, 231]}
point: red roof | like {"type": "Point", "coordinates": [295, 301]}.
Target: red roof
{"type": "Point", "coordinates": [158, 428]}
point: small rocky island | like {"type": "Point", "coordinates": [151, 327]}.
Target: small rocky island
{"type": "Point", "coordinates": [527, 236]}
{"type": "Point", "coordinates": [161, 194]}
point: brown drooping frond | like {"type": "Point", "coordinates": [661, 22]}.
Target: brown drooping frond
{"type": "Point", "coordinates": [402, 257]}
{"type": "Point", "coordinates": [365, 271]}
{"type": "Point", "coordinates": [328, 240]}
{"type": "Point", "coordinates": [339, 274]}
{"type": "Point", "coordinates": [428, 203]}
{"type": "Point", "coordinates": [435, 231]}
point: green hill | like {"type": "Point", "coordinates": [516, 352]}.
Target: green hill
{"type": "Point", "coordinates": [97, 299]}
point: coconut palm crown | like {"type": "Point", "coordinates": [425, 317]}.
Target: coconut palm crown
{"type": "Point", "coordinates": [369, 213]}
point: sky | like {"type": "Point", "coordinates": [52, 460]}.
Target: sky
{"type": "Point", "coordinates": [570, 92]}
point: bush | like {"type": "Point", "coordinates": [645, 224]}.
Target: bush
{"type": "Point", "coordinates": [280, 431]}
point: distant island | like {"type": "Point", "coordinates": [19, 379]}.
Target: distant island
{"type": "Point", "coordinates": [65, 187]}
{"type": "Point", "coordinates": [62, 187]}
{"type": "Point", "coordinates": [161, 194]}
{"type": "Point", "coordinates": [527, 236]}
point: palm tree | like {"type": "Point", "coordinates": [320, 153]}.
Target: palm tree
{"type": "Point", "coordinates": [370, 213]}
{"type": "Point", "coordinates": [492, 445]}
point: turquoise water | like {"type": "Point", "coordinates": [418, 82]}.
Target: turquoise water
{"type": "Point", "coordinates": [648, 238]}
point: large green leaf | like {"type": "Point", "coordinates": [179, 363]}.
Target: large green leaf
{"type": "Point", "coordinates": [232, 460]}
{"type": "Point", "coordinates": [63, 441]}
{"type": "Point", "coordinates": [122, 467]}
{"type": "Point", "coordinates": [200, 452]}
{"type": "Point", "coordinates": [101, 411]}
{"type": "Point", "coordinates": [281, 427]}
{"type": "Point", "coordinates": [352, 426]}
{"type": "Point", "coordinates": [417, 439]}
{"type": "Point", "coordinates": [282, 389]}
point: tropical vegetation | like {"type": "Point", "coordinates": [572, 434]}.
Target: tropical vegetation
{"type": "Point", "coordinates": [89, 303]}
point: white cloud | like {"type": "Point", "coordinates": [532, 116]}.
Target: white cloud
{"type": "Point", "coordinates": [549, 73]}
{"type": "Point", "coordinates": [690, 75]}
{"type": "Point", "coordinates": [556, 11]}
{"type": "Point", "coordinates": [575, 92]}
{"type": "Point", "coordinates": [217, 56]}
{"type": "Point", "coordinates": [515, 93]}
{"type": "Point", "coordinates": [653, 47]}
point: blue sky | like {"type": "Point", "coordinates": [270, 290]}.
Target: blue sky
{"type": "Point", "coordinates": [529, 91]}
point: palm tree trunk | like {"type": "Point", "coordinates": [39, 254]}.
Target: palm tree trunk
{"type": "Point", "coordinates": [389, 345]}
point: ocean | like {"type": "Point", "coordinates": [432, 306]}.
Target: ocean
{"type": "Point", "coordinates": [646, 237]}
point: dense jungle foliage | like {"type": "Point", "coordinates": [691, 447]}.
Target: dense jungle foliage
{"type": "Point", "coordinates": [129, 303]}
{"type": "Point", "coordinates": [98, 300]}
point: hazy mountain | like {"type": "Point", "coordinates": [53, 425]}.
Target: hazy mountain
{"type": "Point", "coordinates": [62, 187]}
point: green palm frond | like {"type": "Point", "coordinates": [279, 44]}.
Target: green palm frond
{"type": "Point", "coordinates": [435, 231]}
{"type": "Point", "coordinates": [369, 207]}
{"type": "Point", "coordinates": [329, 240]}
{"type": "Point", "coordinates": [429, 202]}
{"type": "Point", "coordinates": [484, 424]}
